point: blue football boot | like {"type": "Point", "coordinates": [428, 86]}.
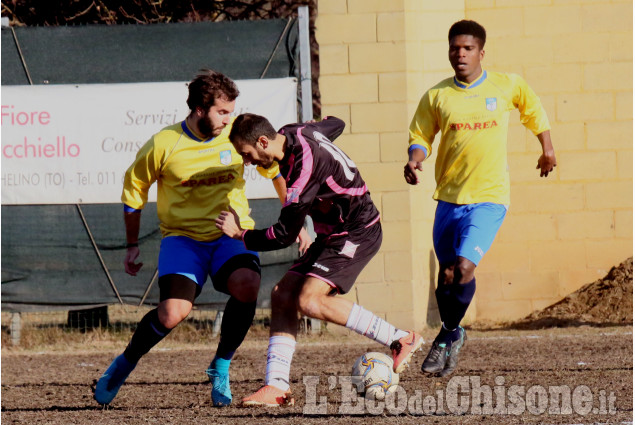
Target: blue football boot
{"type": "Point", "coordinates": [221, 393]}
{"type": "Point", "coordinates": [112, 379]}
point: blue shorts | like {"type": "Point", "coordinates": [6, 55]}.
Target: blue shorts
{"type": "Point", "coordinates": [196, 260]}
{"type": "Point", "coordinates": [465, 230]}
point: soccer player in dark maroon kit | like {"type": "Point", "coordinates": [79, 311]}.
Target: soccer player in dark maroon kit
{"type": "Point", "coordinates": [324, 183]}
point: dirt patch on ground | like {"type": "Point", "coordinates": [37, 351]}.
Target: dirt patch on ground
{"type": "Point", "coordinates": [592, 365]}
{"type": "Point", "coordinates": [522, 373]}
{"type": "Point", "coordinates": [605, 302]}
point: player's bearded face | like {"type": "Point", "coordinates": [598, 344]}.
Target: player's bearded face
{"type": "Point", "coordinates": [254, 154]}
{"type": "Point", "coordinates": [206, 127]}
{"type": "Point", "coordinates": [212, 123]}
{"type": "Point", "coordinates": [265, 159]}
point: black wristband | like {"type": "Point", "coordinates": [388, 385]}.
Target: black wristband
{"type": "Point", "coordinates": [132, 245]}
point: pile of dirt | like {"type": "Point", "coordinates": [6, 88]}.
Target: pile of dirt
{"type": "Point", "coordinates": [605, 302]}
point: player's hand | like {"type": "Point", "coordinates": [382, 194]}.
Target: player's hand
{"type": "Point", "coordinates": [409, 171]}
{"type": "Point", "coordinates": [132, 254]}
{"type": "Point", "coordinates": [304, 241]}
{"type": "Point", "coordinates": [229, 223]}
{"type": "Point", "coordinates": [546, 163]}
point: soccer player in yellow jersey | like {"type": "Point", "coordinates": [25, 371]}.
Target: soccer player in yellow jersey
{"type": "Point", "coordinates": [471, 110]}
{"type": "Point", "coordinates": [198, 175]}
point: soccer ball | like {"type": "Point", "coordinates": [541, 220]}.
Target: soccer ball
{"type": "Point", "coordinates": [373, 375]}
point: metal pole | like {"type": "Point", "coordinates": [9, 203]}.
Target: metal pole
{"type": "Point", "coordinates": [96, 249]}
{"type": "Point", "coordinates": [305, 64]}
{"type": "Point", "coordinates": [145, 294]}
{"type": "Point", "coordinates": [16, 328]}
{"type": "Point", "coordinates": [306, 91]}
{"type": "Point", "coordinates": [17, 45]}
{"type": "Point", "coordinates": [275, 49]}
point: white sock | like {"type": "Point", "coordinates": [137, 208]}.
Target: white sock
{"type": "Point", "coordinates": [366, 323]}
{"type": "Point", "coordinates": [279, 355]}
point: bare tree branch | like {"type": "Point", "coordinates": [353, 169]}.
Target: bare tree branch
{"type": "Point", "coordinates": [113, 12]}
{"type": "Point", "coordinates": [82, 13]}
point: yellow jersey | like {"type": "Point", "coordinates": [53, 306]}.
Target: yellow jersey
{"type": "Point", "coordinates": [196, 180]}
{"type": "Point", "coordinates": [471, 164]}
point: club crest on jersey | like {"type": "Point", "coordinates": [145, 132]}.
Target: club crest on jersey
{"type": "Point", "coordinates": [349, 249]}
{"type": "Point", "coordinates": [226, 157]}
{"type": "Point", "coordinates": [490, 104]}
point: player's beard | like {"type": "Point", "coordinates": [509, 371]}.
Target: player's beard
{"type": "Point", "coordinates": [206, 127]}
{"type": "Point", "coordinates": [267, 160]}
{"type": "Point", "coordinates": [267, 165]}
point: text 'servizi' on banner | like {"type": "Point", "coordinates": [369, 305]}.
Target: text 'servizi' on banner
{"type": "Point", "coordinates": [67, 144]}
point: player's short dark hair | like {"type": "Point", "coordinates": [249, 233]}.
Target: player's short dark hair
{"type": "Point", "coordinates": [249, 127]}
{"type": "Point", "coordinates": [209, 85]}
{"type": "Point", "coordinates": [466, 27]}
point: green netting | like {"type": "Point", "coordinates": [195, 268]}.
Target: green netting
{"type": "Point", "coordinates": [142, 53]}
{"type": "Point", "coordinates": [48, 260]}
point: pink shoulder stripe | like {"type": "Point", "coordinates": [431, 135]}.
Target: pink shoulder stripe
{"type": "Point", "coordinates": [307, 163]}
{"type": "Point", "coordinates": [291, 162]}
{"type": "Point", "coordinates": [270, 234]}
{"type": "Point", "coordinates": [353, 191]}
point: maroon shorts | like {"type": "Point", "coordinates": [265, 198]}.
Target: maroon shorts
{"type": "Point", "coordinates": [339, 259]}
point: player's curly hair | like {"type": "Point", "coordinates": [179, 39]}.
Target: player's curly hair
{"type": "Point", "coordinates": [466, 27]}
{"type": "Point", "coordinates": [249, 127]}
{"type": "Point", "coordinates": [209, 85]}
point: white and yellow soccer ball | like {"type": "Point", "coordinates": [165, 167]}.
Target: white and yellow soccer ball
{"type": "Point", "coordinates": [373, 375]}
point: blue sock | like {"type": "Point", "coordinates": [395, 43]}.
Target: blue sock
{"type": "Point", "coordinates": [462, 294]}
{"type": "Point", "coordinates": [453, 301]}
{"type": "Point", "coordinates": [221, 364]}
{"type": "Point", "coordinates": [448, 335]}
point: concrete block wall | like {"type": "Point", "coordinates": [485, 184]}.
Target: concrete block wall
{"type": "Point", "coordinates": [569, 229]}
{"type": "Point", "coordinates": [378, 57]}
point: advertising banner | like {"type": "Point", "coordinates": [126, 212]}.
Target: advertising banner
{"type": "Point", "coordinates": [68, 144]}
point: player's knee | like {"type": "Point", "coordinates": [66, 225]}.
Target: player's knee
{"type": "Point", "coordinates": [244, 286]}
{"type": "Point", "coordinates": [464, 271]}
{"type": "Point", "coordinates": [310, 304]}
{"type": "Point", "coordinates": [248, 291]}
{"type": "Point", "coordinates": [172, 317]}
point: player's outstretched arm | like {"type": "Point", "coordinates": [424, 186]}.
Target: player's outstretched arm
{"type": "Point", "coordinates": [547, 160]}
{"type": "Point", "coordinates": [304, 239]}
{"type": "Point", "coordinates": [132, 221]}
{"type": "Point", "coordinates": [415, 158]}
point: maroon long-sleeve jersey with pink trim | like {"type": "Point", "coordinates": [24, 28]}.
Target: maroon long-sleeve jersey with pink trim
{"type": "Point", "coordinates": [322, 182]}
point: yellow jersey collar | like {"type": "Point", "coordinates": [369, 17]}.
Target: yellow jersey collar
{"type": "Point", "coordinates": [191, 134]}
{"type": "Point", "coordinates": [474, 83]}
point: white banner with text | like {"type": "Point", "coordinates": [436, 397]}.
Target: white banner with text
{"type": "Point", "coordinates": [67, 144]}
